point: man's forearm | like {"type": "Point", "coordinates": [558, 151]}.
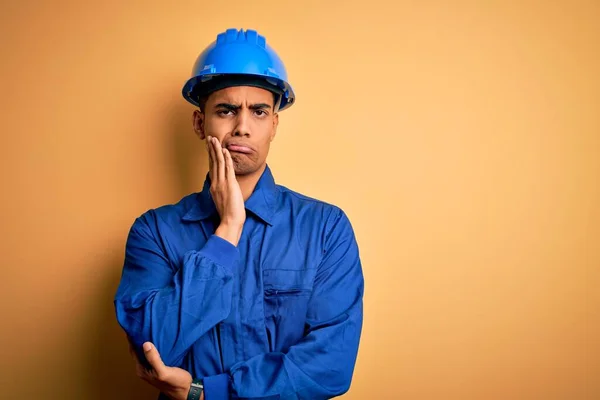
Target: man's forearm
{"type": "Point", "coordinates": [202, 284]}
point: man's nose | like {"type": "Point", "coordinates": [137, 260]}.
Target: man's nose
{"type": "Point", "coordinates": [242, 127]}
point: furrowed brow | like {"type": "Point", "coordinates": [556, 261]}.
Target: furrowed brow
{"type": "Point", "coordinates": [228, 106]}
{"type": "Point", "coordinates": [260, 106]}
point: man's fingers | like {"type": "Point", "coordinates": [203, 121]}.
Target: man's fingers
{"type": "Point", "coordinates": [132, 350]}
{"type": "Point", "coordinates": [154, 359]}
{"type": "Point", "coordinates": [229, 168]}
{"type": "Point", "coordinates": [220, 160]}
{"type": "Point", "coordinates": [140, 371]}
{"type": "Point", "coordinates": [211, 163]}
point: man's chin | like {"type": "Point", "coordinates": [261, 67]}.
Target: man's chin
{"type": "Point", "coordinates": [245, 169]}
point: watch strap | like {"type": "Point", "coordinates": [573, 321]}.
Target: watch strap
{"type": "Point", "coordinates": [196, 389]}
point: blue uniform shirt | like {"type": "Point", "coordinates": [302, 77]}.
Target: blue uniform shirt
{"type": "Point", "coordinates": [278, 316]}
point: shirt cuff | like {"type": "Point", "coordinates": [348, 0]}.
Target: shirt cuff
{"type": "Point", "coordinates": [221, 251]}
{"type": "Point", "coordinates": [216, 387]}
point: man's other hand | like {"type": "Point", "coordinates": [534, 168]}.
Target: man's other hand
{"type": "Point", "coordinates": [172, 381]}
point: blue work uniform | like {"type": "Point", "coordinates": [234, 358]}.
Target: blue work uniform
{"type": "Point", "coordinates": [278, 316]}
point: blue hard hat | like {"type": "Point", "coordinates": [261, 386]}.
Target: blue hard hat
{"type": "Point", "coordinates": [235, 58]}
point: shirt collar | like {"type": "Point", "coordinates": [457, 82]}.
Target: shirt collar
{"type": "Point", "coordinates": [261, 203]}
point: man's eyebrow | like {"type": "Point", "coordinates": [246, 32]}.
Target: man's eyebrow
{"type": "Point", "coordinates": [259, 106]}
{"type": "Point", "coordinates": [235, 107]}
{"type": "Point", "coordinates": [228, 106]}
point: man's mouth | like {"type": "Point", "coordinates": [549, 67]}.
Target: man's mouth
{"type": "Point", "coordinates": [239, 148]}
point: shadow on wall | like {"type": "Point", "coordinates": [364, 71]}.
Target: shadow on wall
{"type": "Point", "coordinates": [111, 369]}
{"type": "Point", "coordinates": [111, 372]}
{"type": "Point", "coordinates": [190, 160]}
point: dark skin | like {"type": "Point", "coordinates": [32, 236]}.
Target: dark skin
{"type": "Point", "coordinates": [241, 114]}
{"type": "Point", "coordinates": [238, 123]}
{"type": "Point", "coordinates": [174, 382]}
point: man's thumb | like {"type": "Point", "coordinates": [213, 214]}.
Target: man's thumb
{"type": "Point", "coordinates": [152, 356]}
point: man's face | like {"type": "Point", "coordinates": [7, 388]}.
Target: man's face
{"type": "Point", "coordinates": [242, 118]}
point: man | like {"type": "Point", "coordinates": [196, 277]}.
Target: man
{"type": "Point", "coordinates": [246, 289]}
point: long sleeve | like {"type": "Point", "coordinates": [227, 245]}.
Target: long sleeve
{"type": "Point", "coordinates": [321, 365]}
{"type": "Point", "coordinates": [169, 306]}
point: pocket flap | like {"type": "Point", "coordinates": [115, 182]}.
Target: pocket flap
{"type": "Point", "coordinates": [284, 279]}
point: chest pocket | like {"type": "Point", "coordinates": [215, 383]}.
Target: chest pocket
{"type": "Point", "coordinates": [286, 297]}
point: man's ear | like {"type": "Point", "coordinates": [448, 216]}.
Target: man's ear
{"type": "Point", "coordinates": [275, 124]}
{"type": "Point", "coordinates": [198, 121]}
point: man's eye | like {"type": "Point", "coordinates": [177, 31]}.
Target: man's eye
{"type": "Point", "coordinates": [260, 113]}
{"type": "Point", "coordinates": [224, 112]}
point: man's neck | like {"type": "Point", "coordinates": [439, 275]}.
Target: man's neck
{"type": "Point", "coordinates": [248, 182]}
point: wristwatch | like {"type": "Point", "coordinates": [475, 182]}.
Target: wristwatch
{"type": "Point", "coordinates": [196, 390]}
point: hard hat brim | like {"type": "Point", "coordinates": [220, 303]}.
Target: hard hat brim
{"type": "Point", "coordinates": [201, 86]}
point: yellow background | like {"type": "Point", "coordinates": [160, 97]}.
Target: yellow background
{"type": "Point", "coordinates": [462, 139]}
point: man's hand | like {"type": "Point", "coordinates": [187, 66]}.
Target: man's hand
{"type": "Point", "coordinates": [174, 382]}
{"type": "Point", "coordinates": [226, 192]}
